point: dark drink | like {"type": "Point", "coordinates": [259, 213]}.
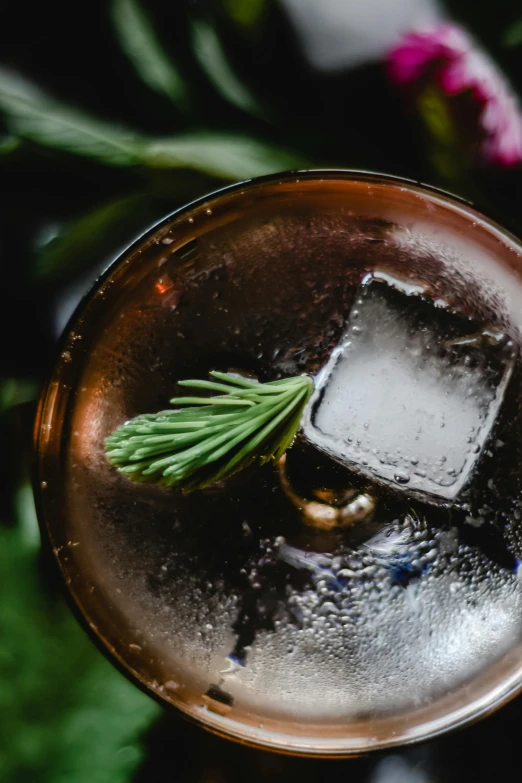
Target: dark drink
{"type": "Point", "coordinates": [312, 606]}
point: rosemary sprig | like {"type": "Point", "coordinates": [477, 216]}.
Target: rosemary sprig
{"type": "Point", "coordinates": [214, 437]}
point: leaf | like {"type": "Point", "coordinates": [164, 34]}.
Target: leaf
{"type": "Point", "coordinates": [26, 516]}
{"type": "Point", "coordinates": [31, 114]}
{"type": "Point", "coordinates": [141, 45]}
{"type": "Point", "coordinates": [16, 391]}
{"type": "Point", "coordinates": [226, 156]}
{"type": "Point", "coordinates": [9, 144]}
{"type": "Point", "coordinates": [65, 713]}
{"type": "Point", "coordinates": [215, 437]}
{"type": "Point", "coordinates": [91, 237]}
{"type": "Point", "coordinates": [245, 13]}
{"type": "Point", "coordinates": [212, 58]}
{"type": "Point", "coordinates": [513, 35]}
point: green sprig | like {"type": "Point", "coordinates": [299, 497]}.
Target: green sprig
{"type": "Point", "coordinates": [192, 447]}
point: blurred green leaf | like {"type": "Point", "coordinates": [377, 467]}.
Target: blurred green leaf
{"type": "Point", "coordinates": [513, 35]}
{"type": "Point", "coordinates": [87, 240]}
{"type": "Point", "coordinates": [213, 60]}
{"type": "Point", "coordinates": [245, 13]}
{"type": "Point", "coordinates": [17, 410]}
{"type": "Point", "coordinates": [67, 713]}
{"type": "Point", "coordinates": [226, 156]}
{"type": "Point", "coordinates": [9, 144]}
{"type": "Point", "coordinates": [31, 114]}
{"type": "Point", "coordinates": [26, 516]}
{"type": "Point", "coordinates": [140, 43]}
{"type": "Point", "coordinates": [16, 391]}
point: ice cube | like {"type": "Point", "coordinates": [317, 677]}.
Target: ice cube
{"type": "Point", "coordinates": [410, 395]}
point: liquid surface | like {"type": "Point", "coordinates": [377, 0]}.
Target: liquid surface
{"type": "Point", "coordinates": [228, 602]}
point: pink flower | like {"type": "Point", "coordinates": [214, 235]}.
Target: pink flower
{"type": "Point", "coordinates": [447, 55]}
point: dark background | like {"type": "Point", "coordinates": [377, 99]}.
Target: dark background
{"type": "Point", "coordinates": [233, 67]}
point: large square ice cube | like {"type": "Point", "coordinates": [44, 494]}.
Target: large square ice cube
{"type": "Point", "coordinates": [410, 394]}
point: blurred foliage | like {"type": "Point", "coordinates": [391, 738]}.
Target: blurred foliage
{"type": "Point", "coordinates": [16, 391]}
{"type": "Point", "coordinates": [141, 45]}
{"type": "Point", "coordinates": [245, 13]}
{"type": "Point", "coordinates": [81, 242]}
{"type": "Point", "coordinates": [31, 114]}
{"type": "Point", "coordinates": [513, 34]}
{"type": "Point", "coordinates": [211, 56]}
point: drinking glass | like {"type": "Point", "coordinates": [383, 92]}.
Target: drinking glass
{"type": "Point", "coordinates": [301, 606]}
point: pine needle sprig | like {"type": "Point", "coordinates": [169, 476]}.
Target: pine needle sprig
{"type": "Point", "coordinates": [207, 439]}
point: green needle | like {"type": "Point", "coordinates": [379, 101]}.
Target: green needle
{"type": "Point", "coordinates": [192, 447]}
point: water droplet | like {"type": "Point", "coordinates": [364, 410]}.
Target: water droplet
{"type": "Point", "coordinates": [401, 477]}
{"type": "Point", "coordinates": [43, 484]}
{"type": "Point", "coordinates": [191, 220]}
{"type": "Point", "coordinates": [328, 608]}
{"type": "Point", "coordinates": [208, 211]}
